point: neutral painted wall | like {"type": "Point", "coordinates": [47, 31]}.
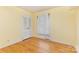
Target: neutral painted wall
{"type": "Point", "coordinates": [63, 24]}
{"type": "Point", "coordinates": [77, 29]}
{"type": "Point", "coordinates": [10, 24]}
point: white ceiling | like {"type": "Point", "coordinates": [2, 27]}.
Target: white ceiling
{"type": "Point", "coordinates": [41, 8]}
{"type": "Point", "coordinates": [36, 8]}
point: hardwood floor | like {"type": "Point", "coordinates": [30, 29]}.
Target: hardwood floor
{"type": "Point", "coordinates": [36, 45]}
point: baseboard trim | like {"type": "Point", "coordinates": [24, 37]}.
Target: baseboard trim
{"type": "Point", "coordinates": [12, 42]}
{"type": "Point", "coordinates": [52, 39]}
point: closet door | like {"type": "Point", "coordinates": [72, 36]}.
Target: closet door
{"type": "Point", "coordinates": [27, 27]}
{"type": "Point", "coordinates": [43, 27]}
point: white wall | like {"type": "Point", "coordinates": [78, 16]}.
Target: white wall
{"type": "Point", "coordinates": [10, 25]}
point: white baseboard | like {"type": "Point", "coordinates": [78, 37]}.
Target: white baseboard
{"type": "Point", "coordinates": [60, 41]}
{"type": "Point", "coordinates": [11, 42]}
{"type": "Point", "coordinates": [51, 38]}
{"type": "Point", "coordinates": [43, 37]}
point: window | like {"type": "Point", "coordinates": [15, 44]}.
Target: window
{"type": "Point", "coordinates": [43, 24]}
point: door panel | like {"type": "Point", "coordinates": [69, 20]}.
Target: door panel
{"type": "Point", "coordinates": [27, 27]}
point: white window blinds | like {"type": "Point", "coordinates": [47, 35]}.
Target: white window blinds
{"type": "Point", "coordinates": [43, 26]}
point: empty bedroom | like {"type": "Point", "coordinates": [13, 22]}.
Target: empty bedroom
{"type": "Point", "coordinates": [39, 29]}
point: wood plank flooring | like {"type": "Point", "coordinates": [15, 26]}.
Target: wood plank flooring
{"type": "Point", "coordinates": [36, 45]}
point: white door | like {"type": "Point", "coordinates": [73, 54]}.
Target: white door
{"type": "Point", "coordinates": [27, 27]}
{"type": "Point", "coordinates": [43, 25]}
